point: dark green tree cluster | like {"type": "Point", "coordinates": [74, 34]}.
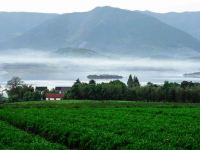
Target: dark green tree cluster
{"type": "Point", "coordinates": [117, 90]}
{"type": "Point", "coordinates": [18, 91]}
{"type": "Point", "coordinates": [133, 82]}
{"type": "Point", "coordinates": [104, 91]}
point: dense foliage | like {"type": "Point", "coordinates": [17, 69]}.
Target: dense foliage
{"type": "Point", "coordinates": [117, 90]}
{"type": "Point", "coordinates": [18, 91]}
{"type": "Point", "coordinates": [143, 126]}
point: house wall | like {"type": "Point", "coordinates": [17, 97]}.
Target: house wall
{"type": "Point", "coordinates": [52, 99]}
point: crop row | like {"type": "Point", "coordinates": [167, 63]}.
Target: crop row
{"type": "Point", "coordinates": [13, 138]}
{"type": "Point", "coordinates": [95, 104]}
{"type": "Point", "coordinates": [114, 128]}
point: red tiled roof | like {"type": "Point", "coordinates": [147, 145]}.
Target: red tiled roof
{"type": "Point", "coordinates": [52, 95]}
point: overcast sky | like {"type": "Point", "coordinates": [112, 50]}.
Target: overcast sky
{"type": "Point", "coordinates": [64, 6]}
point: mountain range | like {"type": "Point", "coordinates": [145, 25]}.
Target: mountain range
{"type": "Point", "coordinates": [186, 21]}
{"type": "Point", "coordinates": [15, 24]}
{"type": "Point", "coordinates": [104, 30]}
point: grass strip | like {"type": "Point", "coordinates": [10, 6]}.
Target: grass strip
{"type": "Point", "coordinates": [12, 138]}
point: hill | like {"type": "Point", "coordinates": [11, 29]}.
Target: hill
{"type": "Point", "coordinates": [108, 30]}
{"type": "Point", "coordinates": [77, 52]}
{"type": "Point", "coordinates": [13, 24]}
{"type": "Point", "coordinates": [187, 21]}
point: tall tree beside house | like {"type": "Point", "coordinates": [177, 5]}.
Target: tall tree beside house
{"type": "Point", "coordinates": [130, 81]}
{"type": "Point", "coordinates": [74, 92]}
{"type": "Point", "coordinates": [44, 93]}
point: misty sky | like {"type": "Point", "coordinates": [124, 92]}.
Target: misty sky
{"type": "Point", "coordinates": [64, 6]}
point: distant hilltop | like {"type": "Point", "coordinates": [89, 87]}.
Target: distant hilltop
{"type": "Point", "coordinates": [104, 76]}
{"type": "Point", "coordinates": [104, 30]}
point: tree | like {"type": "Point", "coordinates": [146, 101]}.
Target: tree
{"type": "Point", "coordinates": [74, 92]}
{"type": "Point", "coordinates": [136, 82]}
{"type": "Point", "coordinates": [43, 94]}
{"type": "Point", "coordinates": [130, 82]}
{"type": "Point", "coordinates": [77, 82]}
{"type": "Point", "coordinates": [185, 84]}
{"type": "Point", "coordinates": [14, 83]}
{"type": "Point", "coordinates": [151, 84]}
{"type": "Point", "coordinates": [92, 82]}
{"type": "Point", "coordinates": [28, 96]}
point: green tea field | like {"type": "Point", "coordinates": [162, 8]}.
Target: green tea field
{"type": "Point", "coordinates": [99, 125]}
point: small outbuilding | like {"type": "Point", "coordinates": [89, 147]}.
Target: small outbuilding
{"type": "Point", "coordinates": [54, 96]}
{"type": "Point", "coordinates": [41, 88]}
{"type": "Point", "coordinates": [62, 89]}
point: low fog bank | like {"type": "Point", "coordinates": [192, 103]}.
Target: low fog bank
{"type": "Point", "coordinates": [44, 68]}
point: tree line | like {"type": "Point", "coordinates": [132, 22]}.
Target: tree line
{"type": "Point", "coordinates": [117, 90]}
{"type": "Point", "coordinates": [114, 90]}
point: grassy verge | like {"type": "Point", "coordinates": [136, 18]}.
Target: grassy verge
{"type": "Point", "coordinates": [15, 139]}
